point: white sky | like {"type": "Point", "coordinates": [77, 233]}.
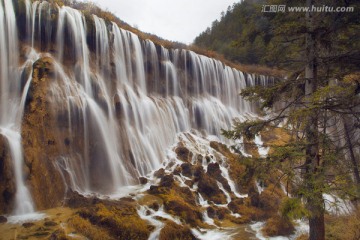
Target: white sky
{"type": "Point", "coordinates": [176, 20]}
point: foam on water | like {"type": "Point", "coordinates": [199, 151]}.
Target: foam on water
{"type": "Point", "coordinates": [259, 187]}
{"type": "Point", "coordinates": [300, 225]}
{"type": "Point", "coordinates": [207, 219]}
{"type": "Point", "coordinates": [206, 234]}
{"type": "Point", "coordinates": [151, 216]}
{"type": "Point", "coordinates": [30, 217]}
{"type": "Point", "coordinates": [263, 151]}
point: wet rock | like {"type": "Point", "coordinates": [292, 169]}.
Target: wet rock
{"type": "Point", "coordinates": [209, 188]}
{"type": "Point", "coordinates": [190, 183]}
{"type": "Point", "coordinates": [214, 171]}
{"type": "Point", "coordinates": [159, 173]}
{"type": "Point", "coordinates": [254, 196]}
{"type": "Point", "coordinates": [118, 105]}
{"type": "Point", "coordinates": [157, 190]}
{"type": "Point", "coordinates": [58, 235]}
{"type": "Point", "coordinates": [175, 231]}
{"type": "Point", "coordinates": [184, 210]}
{"type": "Point", "coordinates": [187, 169]}
{"type": "Point", "coordinates": [76, 200]}
{"type": "Point", "coordinates": [187, 194]}
{"type": "Point", "coordinates": [198, 172]}
{"type": "Point", "coordinates": [217, 213]}
{"type": "Point", "coordinates": [28, 224]}
{"type": "Point", "coordinates": [44, 66]}
{"type": "Point", "coordinates": [143, 180]}
{"type": "Point", "coordinates": [39, 130]}
{"type": "Point", "coordinates": [154, 189]}
{"type": "Point", "coordinates": [155, 206]}
{"type": "Point", "coordinates": [50, 224]}
{"type": "Point", "coordinates": [7, 179]}
{"type": "Point", "coordinates": [183, 154]}
{"type": "Point", "coordinates": [221, 213]}
{"type": "Point", "coordinates": [211, 212]}
{"type": "Point", "coordinates": [3, 219]}
{"type": "Point", "coordinates": [235, 204]}
{"type": "Point", "coordinates": [177, 171]}
{"type": "Point", "coordinates": [167, 181]}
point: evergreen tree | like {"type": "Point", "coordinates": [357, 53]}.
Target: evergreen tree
{"type": "Point", "coordinates": [319, 102]}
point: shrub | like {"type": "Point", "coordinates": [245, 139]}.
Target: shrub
{"type": "Point", "coordinates": [278, 226]}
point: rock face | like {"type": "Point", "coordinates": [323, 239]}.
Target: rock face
{"type": "Point", "coordinates": [7, 180]}
{"type": "Point", "coordinates": [183, 153]}
{"type": "Point", "coordinates": [38, 137]}
{"type": "Point", "coordinates": [209, 188]}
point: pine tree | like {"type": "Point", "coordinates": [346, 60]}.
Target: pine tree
{"type": "Point", "coordinates": [314, 103]}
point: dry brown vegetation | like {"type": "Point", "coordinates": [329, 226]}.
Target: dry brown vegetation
{"type": "Point", "coordinates": [343, 227]}
{"type": "Point", "coordinates": [119, 220]}
{"type": "Point", "coordinates": [85, 228]}
{"type": "Point", "coordinates": [278, 226]}
{"type": "Point", "coordinates": [176, 232]}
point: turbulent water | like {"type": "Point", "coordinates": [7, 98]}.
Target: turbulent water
{"type": "Point", "coordinates": [123, 99]}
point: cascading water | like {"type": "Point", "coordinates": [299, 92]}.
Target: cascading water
{"type": "Point", "coordinates": [125, 99]}
{"type": "Point", "coordinates": [11, 104]}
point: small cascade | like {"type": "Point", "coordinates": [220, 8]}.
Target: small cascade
{"type": "Point", "coordinates": [153, 217]}
{"type": "Point", "coordinates": [23, 201]}
{"type": "Point", "coordinates": [263, 150]}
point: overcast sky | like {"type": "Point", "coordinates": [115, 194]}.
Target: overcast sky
{"type": "Point", "coordinates": [176, 20]}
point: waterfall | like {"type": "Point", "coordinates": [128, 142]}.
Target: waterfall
{"type": "Point", "coordinates": [125, 99]}
{"type": "Point", "coordinates": [11, 106]}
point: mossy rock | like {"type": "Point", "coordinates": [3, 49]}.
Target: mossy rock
{"type": "Point", "coordinates": [39, 132]}
{"type": "Point", "coordinates": [167, 181]}
{"type": "Point", "coordinates": [209, 188]}
{"type": "Point", "coordinates": [174, 231]}
{"type": "Point", "coordinates": [180, 202]}
{"type": "Point", "coordinates": [187, 169]}
{"type": "Point", "coordinates": [183, 153]}
{"type": "Point", "coordinates": [87, 229]}
{"type": "Point", "coordinates": [238, 171]}
{"type": "Point", "coordinates": [270, 200]}
{"type": "Point", "coordinates": [214, 171]}
{"type": "Point", "coordinates": [58, 235]}
{"type": "Point", "coordinates": [120, 221]}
